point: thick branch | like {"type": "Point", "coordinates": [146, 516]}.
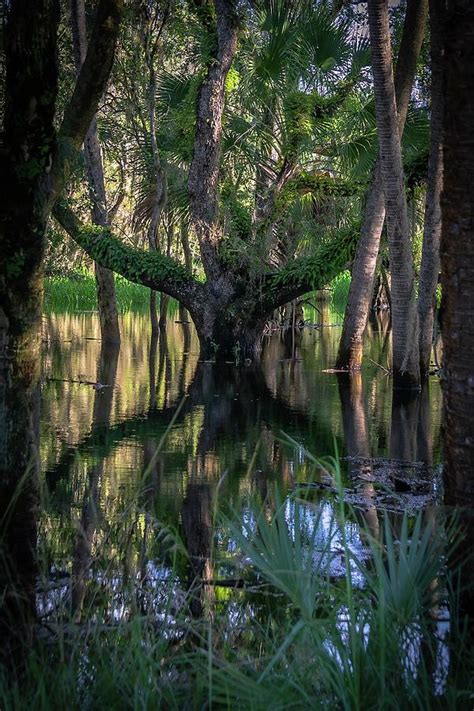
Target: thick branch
{"type": "Point", "coordinates": [89, 88]}
{"type": "Point", "coordinates": [309, 273]}
{"type": "Point", "coordinates": [204, 170]}
{"type": "Point", "coordinates": [150, 269]}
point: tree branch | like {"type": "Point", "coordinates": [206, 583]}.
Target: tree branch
{"type": "Point", "coordinates": [150, 269]}
{"type": "Point", "coordinates": [309, 273]}
{"type": "Point", "coordinates": [204, 169]}
{"type": "Point", "coordinates": [89, 88]}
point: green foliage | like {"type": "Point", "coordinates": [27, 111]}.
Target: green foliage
{"type": "Point", "coordinates": [366, 640]}
{"type": "Point", "coordinates": [340, 288]}
{"type": "Point", "coordinates": [138, 266]}
{"type": "Point", "coordinates": [320, 268]}
{"type": "Point", "coordinates": [79, 292]}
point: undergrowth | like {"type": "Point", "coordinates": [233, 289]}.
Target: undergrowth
{"type": "Point", "coordinates": [299, 638]}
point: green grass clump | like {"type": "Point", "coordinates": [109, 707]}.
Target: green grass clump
{"type": "Point", "coordinates": [78, 292]}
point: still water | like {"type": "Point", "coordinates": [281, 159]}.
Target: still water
{"type": "Point", "coordinates": [144, 446]}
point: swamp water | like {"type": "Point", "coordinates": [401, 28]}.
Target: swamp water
{"type": "Point", "coordinates": [147, 454]}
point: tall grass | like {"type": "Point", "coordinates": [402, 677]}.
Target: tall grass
{"type": "Point", "coordinates": [369, 640]}
{"type": "Point", "coordinates": [78, 293]}
{"type": "Point", "coordinates": [340, 288]}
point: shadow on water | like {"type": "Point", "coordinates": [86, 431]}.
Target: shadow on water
{"type": "Point", "coordinates": [140, 445]}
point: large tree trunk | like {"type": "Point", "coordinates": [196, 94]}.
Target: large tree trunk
{"type": "Point", "coordinates": [33, 172]}
{"type": "Point", "coordinates": [365, 261]}
{"type": "Point", "coordinates": [457, 253]}
{"type": "Point", "coordinates": [432, 231]}
{"type": "Point", "coordinates": [105, 281]}
{"type": "Point", "coordinates": [406, 366]}
{"type": "Point", "coordinates": [28, 144]}
{"type": "Point", "coordinates": [204, 169]}
{"type": "Point", "coordinates": [457, 273]}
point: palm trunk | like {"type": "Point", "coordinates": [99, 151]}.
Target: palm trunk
{"type": "Point", "coordinates": [365, 261]}
{"type": "Point", "coordinates": [105, 281]}
{"type": "Point", "coordinates": [457, 254]}
{"type": "Point", "coordinates": [406, 367]}
{"type": "Point", "coordinates": [432, 231]}
{"type": "Point", "coordinates": [457, 274]}
{"type": "Point", "coordinates": [204, 169]}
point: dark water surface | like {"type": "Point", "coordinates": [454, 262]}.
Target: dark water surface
{"type": "Point", "coordinates": [137, 471]}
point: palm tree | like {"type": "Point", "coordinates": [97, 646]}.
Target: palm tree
{"type": "Point", "coordinates": [457, 253]}
{"type": "Point", "coordinates": [432, 230]}
{"type": "Point", "coordinates": [106, 298]}
{"type": "Point", "coordinates": [365, 261]}
{"type": "Point", "coordinates": [406, 367]}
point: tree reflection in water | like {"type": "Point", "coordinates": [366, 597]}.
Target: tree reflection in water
{"type": "Point", "coordinates": [114, 483]}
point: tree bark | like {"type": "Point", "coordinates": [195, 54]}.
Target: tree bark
{"type": "Point", "coordinates": [28, 144]}
{"type": "Point", "coordinates": [406, 366]}
{"type": "Point", "coordinates": [105, 282]}
{"type": "Point", "coordinates": [88, 91]}
{"type": "Point", "coordinates": [432, 230]}
{"type": "Point", "coordinates": [365, 261]}
{"type": "Point", "coordinates": [457, 253]}
{"type": "Point", "coordinates": [160, 185]}
{"type": "Point", "coordinates": [33, 171]}
{"type": "Point", "coordinates": [204, 170]}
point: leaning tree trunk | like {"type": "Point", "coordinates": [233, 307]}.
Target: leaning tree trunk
{"type": "Point", "coordinates": [432, 231]}
{"type": "Point", "coordinates": [365, 261]}
{"type": "Point", "coordinates": [406, 367]}
{"type": "Point", "coordinates": [105, 281]}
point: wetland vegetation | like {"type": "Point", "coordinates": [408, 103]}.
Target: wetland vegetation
{"type": "Point", "coordinates": [236, 354]}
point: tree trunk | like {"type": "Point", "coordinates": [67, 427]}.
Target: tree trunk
{"type": "Point", "coordinates": [432, 230]}
{"type": "Point", "coordinates": [365, 261]}
{"type": "Point", "coordinates": [164, 298]}
{"type": "Point", "coordinates": [227, 335]}
{"type": "Point", "coordinates": [105, 281]}
{"type": "Point", "coordinates": [406, 366]}
{"type": "Point", "coordinates": [457, 253]}
{"type": "Point", "coordinates": [204, 169]}
{"type": "Point", "coordinates": [457, 275]}
{"type": "Point", "coordinates": [28, 142]}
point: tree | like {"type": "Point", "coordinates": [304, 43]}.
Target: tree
{"type": "Point", "coordinates": [106, 299]}
{"type": "Point", "coordinates": [241, 248]}
{"type": "Point", "coordinates": [457, 253]}
{"type": "Point", "coordinates": [365, 260]}
{"type": "Point", "coordinates": [406, 367]}
{"type": "Point", "coordinates": [36, 162]}
{"type": "Point", "coordinates": [429, 270]}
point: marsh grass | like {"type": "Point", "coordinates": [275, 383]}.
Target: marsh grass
{"type": "Point", "coordinates": [77, 292]}
{"type": "Point", "coordinates": [368, 640]}
{"type": "Point", "coordinates": [340, 288]}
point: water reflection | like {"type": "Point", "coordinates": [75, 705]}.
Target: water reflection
{"type": "Point", "coordinates": [138, 444]}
